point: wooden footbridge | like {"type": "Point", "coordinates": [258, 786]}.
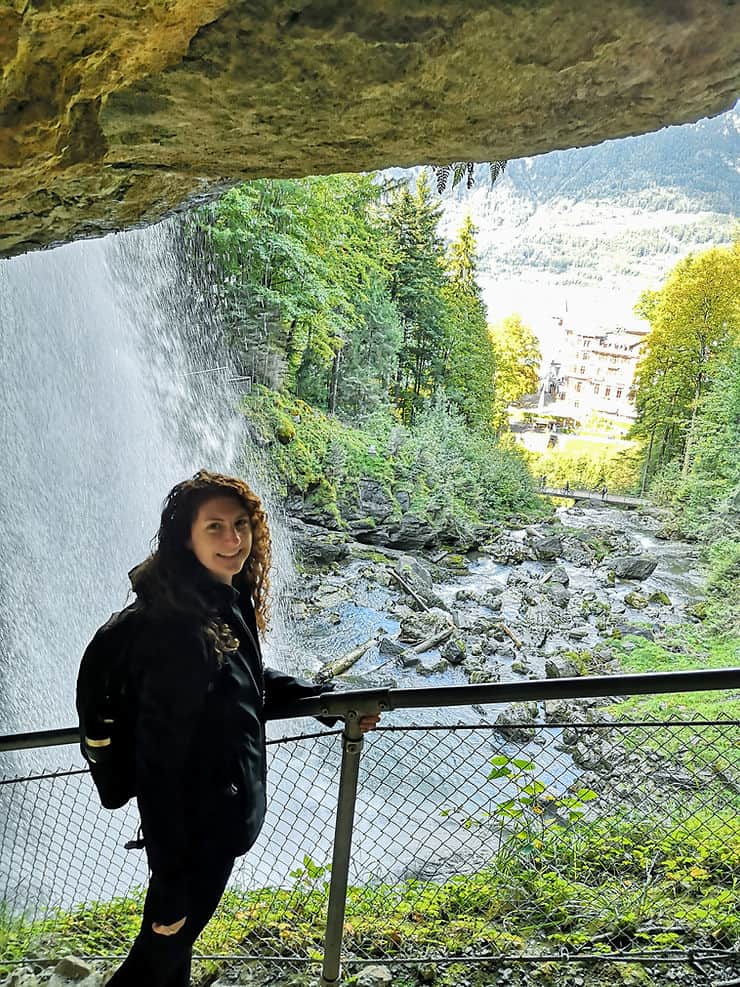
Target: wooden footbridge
{"type": "Point", "coordinates": [594, 496]}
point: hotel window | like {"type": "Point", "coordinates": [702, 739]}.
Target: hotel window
{"type": "Point", "coordinates": [583, 370]}
{"type": "Point", "coordinates": [597, 388]}
{"type": "Point", "coordinates": [607, 392]}
{"type": "Point", "coordinates": [578, 385]}
{"type": "Point", "coordinates": [619, 392]}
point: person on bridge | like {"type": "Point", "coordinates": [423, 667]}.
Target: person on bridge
{"type": "Point", "coordinates": [604, 492]}
{"type": "Point", "coordinates": [200, 694]}
{"type": "Point", "coordinates": [566, 488]}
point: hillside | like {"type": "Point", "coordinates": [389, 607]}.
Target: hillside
{"type": "Point", "coordinates": [582, 232]}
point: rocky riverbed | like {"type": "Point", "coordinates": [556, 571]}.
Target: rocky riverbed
{"type": "Point", "coordinates": [526, 603]}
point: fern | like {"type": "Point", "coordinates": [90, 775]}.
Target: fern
{"type": "Point", "coordinates": [464, 169]}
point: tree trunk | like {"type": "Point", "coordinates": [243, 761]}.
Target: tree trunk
{"type": "Point", "coordinates": [690, 434]}
{"type": "Point", "coordinates": [649, 456]}
{"type": "Point", "coordinates": [334, 382]}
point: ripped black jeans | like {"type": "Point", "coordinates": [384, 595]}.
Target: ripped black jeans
{"type": "Point", "coordinates": [164, 961]}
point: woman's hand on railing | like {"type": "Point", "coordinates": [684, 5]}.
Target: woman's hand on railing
{"type": "Point", "coordinates": [369, 722]}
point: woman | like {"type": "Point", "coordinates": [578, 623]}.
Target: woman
{"type": "Point", "coordinates": [200, 694]}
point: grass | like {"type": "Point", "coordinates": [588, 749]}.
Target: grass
{"type": "Point", "coordinates": [581, 887]}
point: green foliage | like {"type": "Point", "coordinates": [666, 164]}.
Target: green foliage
{"type": "Point", "coordinates": [300, 263]}
{"type": "Point", "coordinates": [685, 648]}
{"type": "Point", "coordinates": [695, 322]}
{"type": "Point", "coordinates": [517, 358]}
{"type": "Point", "coordinates": [591, 464]}
{"type": "Point", "coordinates": [452, 474]}
{"type": "Point", "coordinates": [584, 888]}
{"type": "Point", "coordinates": [369, 356]}
{"type": "Point", "coordinates": [469, 368]}
{"type": "Point", "coordinates": [416, 289]}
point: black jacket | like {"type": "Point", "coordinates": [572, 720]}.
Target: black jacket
{"type": "Point", "coordinates": [200, 740]}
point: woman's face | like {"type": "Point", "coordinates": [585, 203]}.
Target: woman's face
{"type": "Point", "coordinates": [221, 537]}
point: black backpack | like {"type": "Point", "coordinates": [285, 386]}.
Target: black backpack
{"type": "Point", "coordinates": [106, 709]}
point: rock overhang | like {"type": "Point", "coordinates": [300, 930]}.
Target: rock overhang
{"type": "Point", "coordinates": [114, 115]}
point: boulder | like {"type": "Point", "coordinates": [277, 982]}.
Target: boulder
{"type": "Point", "coordinates": [417, 627]}
{"type": "Point", "coordinates": [632, 566]}
{"type": "Point", "coordinates": [578, 552]}
{"type": "Point", "coordinates": [491, 601]}
{"type": "Point", "coordinates": [557, 574]}
{"type": "Point", "coordinates": [374, 976]}
{"type": "Point", "coordinates": [547, 548]}
{"type": "Point", "coordinates": [317, 546]}
{"type": "Point", "coordinates": [409, 660]}
{"type": "Point", "coordinates": [561, 668]}
{"type": "Point", "coordinates": [579, 633]}
{"type": "Point", "coordinates": [517, 722]}
{"type": "Point", "coordinates": [24, 977]}
{"type": "Point", "coordinates": [414, 572]}
{"type": "Point", "coordinates": [409, 533]}
{"type": "Point", "coordinates": [635, 600]}
{"type": "Point", "coordinates": [390, 648]}
{"type": "Point", "coordinates": [558, 594]}
{"type": "Point", "coordinates": [507, 551]}
{"type": "Point", "coordinates": [454, 651]}
{"type": "Point", "coordinates": [419, 579]}
{"type": "Point", "coordinates": [73, 972]}
{"type": "Point", "coordinates": [374, 500]}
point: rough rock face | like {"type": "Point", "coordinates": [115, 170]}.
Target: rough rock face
{"type": "Point", "coordinates": [113, 113]}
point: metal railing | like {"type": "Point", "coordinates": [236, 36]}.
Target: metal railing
{"type": "Point", "coordinates": [571, 835]}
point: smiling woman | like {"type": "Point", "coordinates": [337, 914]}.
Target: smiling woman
{"type": "Point", "coordinates": [200, 695]}
{"type": "Point", "coordinates": [221, 537]}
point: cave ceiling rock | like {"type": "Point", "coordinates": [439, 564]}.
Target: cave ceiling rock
{"type": "Point", "coordinates": [114, 114]}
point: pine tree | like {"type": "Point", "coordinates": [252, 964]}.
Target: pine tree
{"type": "Point", "coordinates": [469, 360]}
{"type": "Point", "coordinates": [416, 290]}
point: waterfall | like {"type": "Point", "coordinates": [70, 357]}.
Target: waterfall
{"type": "Point", "coordinates": [108, 397]}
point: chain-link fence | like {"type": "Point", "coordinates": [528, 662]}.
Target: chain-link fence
{"type": "Point", "coordinates": [556, 839]}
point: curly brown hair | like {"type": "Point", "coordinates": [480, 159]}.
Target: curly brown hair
{"type": "Point", "coordinates": [170, 577]}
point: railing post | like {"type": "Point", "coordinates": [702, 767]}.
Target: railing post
{"type": "Point", "coordinates": [352, 742]}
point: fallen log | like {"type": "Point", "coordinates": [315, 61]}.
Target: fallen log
{"type": "Point", "coordinates": [512, 635]}
{"type": "Point", "coordinates": [432, 642]}
{"type": "Point", "coordinates": [340, 665]}
{"type": "Point", "coordinates": [408, 589]}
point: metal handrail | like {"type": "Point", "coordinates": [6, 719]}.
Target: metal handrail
{"type": "Point", "coordinates": [351, 705]}
{"type": "Point", "coordinates": [364, 701]}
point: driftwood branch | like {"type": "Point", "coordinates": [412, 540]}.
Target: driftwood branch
{"type": "Point", "coordinates": [432, 642]}
{"type": "Point", "coordinates": [512, 635]}
{"type": "Point", "coordinates": [340, 665]}
{"type": "Point", "coordinates": [408, 589]}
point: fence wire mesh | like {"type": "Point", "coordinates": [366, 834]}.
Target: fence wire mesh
{"type": "Point", "coordinates": [516, 840]}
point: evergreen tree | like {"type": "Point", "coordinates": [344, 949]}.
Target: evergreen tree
{"type": "Point", "coordinates": [369, 357]}
{"type": "Point", "coordinates": [416, 289]}
{"type": "Point", "coordinates": [469, 363]}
